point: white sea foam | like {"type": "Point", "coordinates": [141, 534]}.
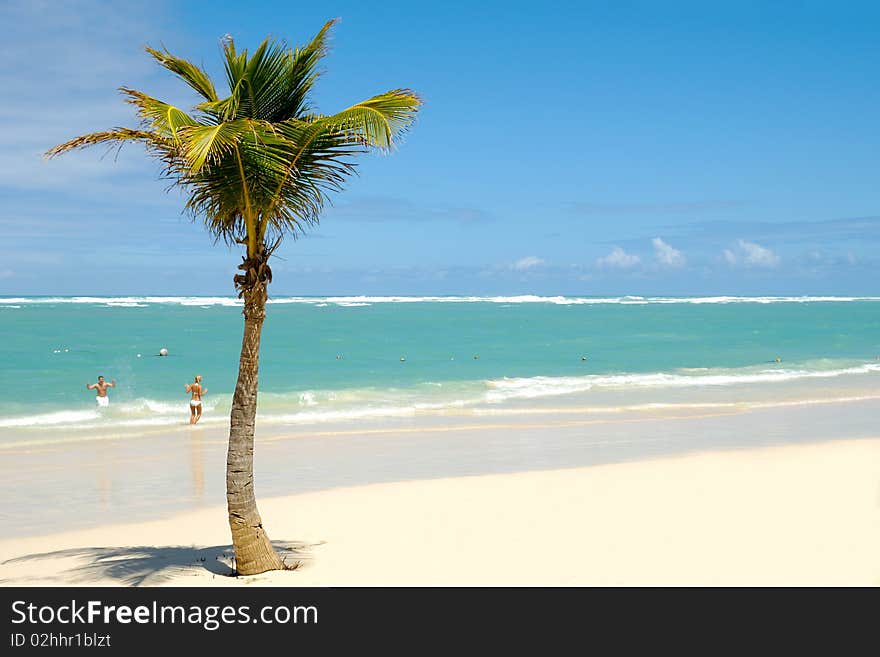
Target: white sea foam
{"type": "Point", "coordinates": [315, 417]}
{"type": "Point", "coordinates": [152, 407]}
{"type": "Point", "coordinates": [500, 390]}
{"type": "Point", "coordinates": [668, 406]}
{"type": "Point", "coordinates": [50, 419]}
{"type": "Point", "coordinates": [131, 413]}
{"type": "Point", "coordinates": [322, 406]}
{"type": "Point", "coordinates": [128, 300]}
{"type": "Point", "coordinates": [355, 301]}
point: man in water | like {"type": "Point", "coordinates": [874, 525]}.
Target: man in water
{"type": "Point", "coordinates": [195, 403]}
{"type": "Point", "coordinates": [101, 386]}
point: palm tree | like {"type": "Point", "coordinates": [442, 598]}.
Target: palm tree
{"type": "Point", "coordinates": [256, 166]}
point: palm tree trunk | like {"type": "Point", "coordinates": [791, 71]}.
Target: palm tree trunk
{"type": "Point", "coordinates": [253, 550]}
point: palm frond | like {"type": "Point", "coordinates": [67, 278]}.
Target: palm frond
{"type": "Point", "coordinates": [235, 64]}
{"type": "Point", "coordinates": [300, 76]}
{"type": "Point", "coordinates": [164, 119]}
{"type": "Point", "coordinates": [117, 136]}
{"type": "Point", "coordinates": [325, 143]}
{"type": "Point", "coordinates": [186, 71]}
{"type": "Point", "coordinates": [377, 121]}
{"type": "Point", "coordinates": [210, 143]}
{"type": "Point", "coordinates": [239, 178]}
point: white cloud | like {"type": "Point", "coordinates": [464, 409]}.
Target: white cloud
{"type": "Point", "coordinates": [529, 262]}
{"type": "Point", "coordinates": [757, 255]}
{"type": "Point", "coordinates": [667, 255]}
{"type": "Point", "coordinates": [619, 258]}
{"type": "Point", "coordinates": [750, 254]}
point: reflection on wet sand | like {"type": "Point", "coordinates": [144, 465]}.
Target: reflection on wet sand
{"type": "Point", "coordinates": [197, 466]}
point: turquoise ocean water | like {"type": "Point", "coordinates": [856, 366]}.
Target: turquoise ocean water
{"type": "Point", "coordinates": [334, 359]}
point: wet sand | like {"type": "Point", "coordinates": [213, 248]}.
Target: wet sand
{"type": "Point", "coordinates": [108, 480]}
{"type": "Point", "coordinates": [801, 514]}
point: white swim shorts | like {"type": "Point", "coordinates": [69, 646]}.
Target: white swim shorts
{"type": "Point", "coordinates": [103, 402]}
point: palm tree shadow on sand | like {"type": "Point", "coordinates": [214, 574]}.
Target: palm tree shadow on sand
{"type": "Point", "coordinates": [146, 565]}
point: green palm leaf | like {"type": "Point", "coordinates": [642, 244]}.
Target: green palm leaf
{"type": "Point", "coordinates": [186, 71]}
{"type": "Point", "coordinates": [166, 120]}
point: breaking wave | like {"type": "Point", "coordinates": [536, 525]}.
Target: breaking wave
{"type": "Point", "coordinates": [304, 407]}
{"type": "Point", "coordinates": [357, 301]}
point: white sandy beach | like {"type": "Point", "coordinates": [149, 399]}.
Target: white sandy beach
{"type": "Point", "coordinates": [793, 515]}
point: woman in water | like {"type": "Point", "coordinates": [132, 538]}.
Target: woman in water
{"type": "Point", "coordinates": [195, 403]}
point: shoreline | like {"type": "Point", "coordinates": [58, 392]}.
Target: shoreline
{"type": "Point", "coordinates": [811, 389]}
{"type": "Point", "coordinates": [80, 485]}
{"type": "Point", "coordinates": [799, 515]}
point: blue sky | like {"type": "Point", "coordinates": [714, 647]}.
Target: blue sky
{"type": "Point", "coordinates": [564, 148]}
